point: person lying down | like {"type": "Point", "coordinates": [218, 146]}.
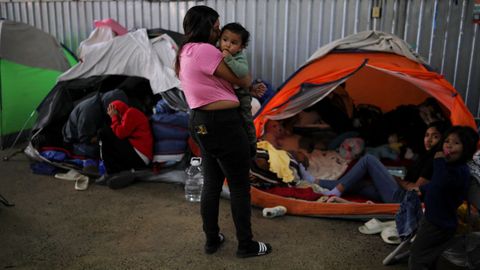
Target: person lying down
{"type": "Point", "coordinates": [287, 147]}
{"type": "Point", "coordinates": [320, 162]}
{"type": "Point", "coordinates": [296, 145]}
{"type": "Point", "coordinates": [276, 171]}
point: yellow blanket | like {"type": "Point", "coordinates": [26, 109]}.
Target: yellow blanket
{"type": "Point", "coordinates": [279, 161]}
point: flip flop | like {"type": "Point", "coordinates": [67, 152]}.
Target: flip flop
{"type": "Point", "coordinates": [400, 252]}
{"type": "Point", "coordinates": [374, 226]}
{"type": "Point", "coordinates": [121, 179]}
{"type": "Point", "coordinates": [259, 249]}
{"type": "Point", "coordinates": [390, 236]}
{"type": "Point", "coordinates": [81, 183]}
{"type": "Point", "coordinates": [71, 175]}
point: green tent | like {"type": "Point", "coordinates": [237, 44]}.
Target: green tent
{"type": "Point", "coordinates": [30, 63]}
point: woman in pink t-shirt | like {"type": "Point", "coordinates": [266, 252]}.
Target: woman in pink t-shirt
{"type": "Point", "coordinates": [216, 125]}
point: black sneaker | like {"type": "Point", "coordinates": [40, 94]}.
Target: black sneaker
{"type": "Point", "coordinates": [212, 247]}
{"type": "Point", "coordinates": [102, 180]}
{"type": "Point", "coordinates": [121, 179]}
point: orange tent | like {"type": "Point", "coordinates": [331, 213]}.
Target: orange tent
{"type": "Point", "coordinates": [386, 79]}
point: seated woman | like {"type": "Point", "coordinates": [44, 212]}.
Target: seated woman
{"type": "Point", "coordinates": [386, 188]}
{"type": "Point", "coordinates": [128, 142]}
{"type": "Point", "coordinates": [88, 116]}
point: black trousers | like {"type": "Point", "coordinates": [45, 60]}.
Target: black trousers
{"type": "Point", "coordinates": [430, 242]}
{"type": "Point", "coordinates": [118, 155]}
{"type": "Point", "coordinates": [225, 151]}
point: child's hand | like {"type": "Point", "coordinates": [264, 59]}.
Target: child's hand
{"type": "Point", "coordinates": [417, 190]}
{"type": "Point", "coordinates": [226, 53]}
{"type": "Point", "coordinates": [258, 90]}
{"type": "Point", "coordinates": [439, 154]}
{"type": "Point", "coordinates": [111, 111]}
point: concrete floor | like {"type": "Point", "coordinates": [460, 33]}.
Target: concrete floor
{"type": "Point", "coordinates": [151, 226]}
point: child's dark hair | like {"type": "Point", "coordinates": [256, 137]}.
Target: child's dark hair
{"type": "Point", "coordinates": [239, 30]}
{"type": "Point", "coordinates": [442, 127]}
{"type": "Point", "coordinates": [469, 138]}
{"type": "Point", "coordinates": [197, 26]}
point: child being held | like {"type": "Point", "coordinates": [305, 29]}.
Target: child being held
{"type": "Point", "coordinates": [233, 39]}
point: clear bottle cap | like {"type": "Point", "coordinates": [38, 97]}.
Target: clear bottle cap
{"type": "Point", "coordinates": [196, 161]}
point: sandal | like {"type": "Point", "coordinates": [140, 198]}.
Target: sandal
{"type": "Point", "coordinates": [211, 248]}
{"type": "Point", "coordinates": [82, 182]}
{"type": "Point", "coordinates": [256, 249]}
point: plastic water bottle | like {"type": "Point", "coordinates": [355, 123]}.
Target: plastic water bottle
{"type": "Point", "coordinates": [194, 181]}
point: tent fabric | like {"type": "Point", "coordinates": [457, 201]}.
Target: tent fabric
{"type": "Point", "coordinates": [26, 45]}
{"type": "Point", "coordinates": [108, 63]}
{"type": "Point", "coordinates": [413, 78]}
{"type": "Point", "coordinates": [132, 54]}
{"type": "Point", "coordinates": [30, 63]}
{"type": "Point", "coordinates": [22, 89]}
{"type": "Point", "coordinates": [374, 41]}
{"type": "Point", "coordinates": [98, 36]}
{"type": "Point", "coordinates": [317, 209]}
{"type": "Point", "coordinates": [379, 69]}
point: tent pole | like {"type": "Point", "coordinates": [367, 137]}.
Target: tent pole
{"type": "Point", "coordinates": [8, 157]}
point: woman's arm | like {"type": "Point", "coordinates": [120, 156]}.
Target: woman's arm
{"type": "Point", "coordinates": [224, 72]}
{"type": "Point", "coordinates": [124, 127]}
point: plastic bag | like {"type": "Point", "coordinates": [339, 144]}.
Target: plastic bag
{"type": "Point", "coordinates": [464, 251]}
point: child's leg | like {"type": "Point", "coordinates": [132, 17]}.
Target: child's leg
{"type": "Point", "coordinates": [430, 242]}
{"type": "Point", "coordinates": [118, 155]}
{"type": "Point", "coordinates": [246, 113]}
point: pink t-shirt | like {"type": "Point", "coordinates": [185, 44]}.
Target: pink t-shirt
{"type": "Point", "coordinates": [198, 62]}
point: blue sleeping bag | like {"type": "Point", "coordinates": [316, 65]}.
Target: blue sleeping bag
{"type": "Point", "coordinates": [170, 132]}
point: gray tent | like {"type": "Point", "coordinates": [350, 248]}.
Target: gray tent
{"type": "Point", "coordinates": [30, 63]}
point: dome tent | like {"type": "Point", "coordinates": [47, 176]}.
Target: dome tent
{"type": "Point", "coordinates": [104, 68]}
{"type": "Point", "coordinates": [30, 63]}
{"type": "Point", "coordinates": [381, 70]}
{"type": "Point", "coordinates": [142, 57]}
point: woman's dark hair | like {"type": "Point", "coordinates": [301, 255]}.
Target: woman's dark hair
{"type": "Point", "coordinates": [469, 138]}
{"type": "Point", "coordinates": [197, 26]}
{"type": "Point", "coordinates": [440, 126]}
{"type": "Point", "coordinates": [239, 30]}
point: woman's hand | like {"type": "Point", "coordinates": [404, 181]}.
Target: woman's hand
{"type": "Point", "coordinates": [111, 111]}
{"type": "Point", "coordinates": [417, 189]}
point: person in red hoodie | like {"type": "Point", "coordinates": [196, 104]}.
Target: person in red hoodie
{"type": "Point", "coordinates": [128, 143]}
